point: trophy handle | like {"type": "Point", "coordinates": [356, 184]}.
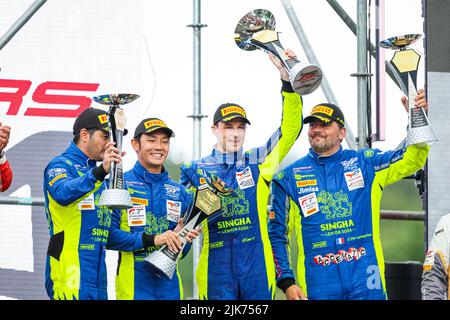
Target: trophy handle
{"type": "Point", "coordinates": [117, 122]}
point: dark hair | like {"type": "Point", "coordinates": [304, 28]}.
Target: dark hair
{"type": "Point", "coordinates": [91, 131]}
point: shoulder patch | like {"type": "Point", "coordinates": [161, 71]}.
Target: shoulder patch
{"type": "Point", "coordinates": [280, 175]}
{"type": "Point", "coordinates": [369, 153]}
{"type": "Point", "coordinates": [187, 164]}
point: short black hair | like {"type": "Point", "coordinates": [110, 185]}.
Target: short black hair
{"type": "Point", "coordinates": [76, 138]}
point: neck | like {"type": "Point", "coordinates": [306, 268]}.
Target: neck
{"type": "Point", "coordinates": [329, 152]}
{"type": "Point", "coordinates": [156, 169]}
{"type": "Point", "coordinates": [84, 149]}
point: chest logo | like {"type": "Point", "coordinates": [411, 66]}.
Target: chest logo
{"type": "Point", "coordinates": [136, 216]}
{"type": "Point", "coordinates": [309, 204]}
{"type": "Point", "coordinates": [354, 179]}
{"type": "Point", "coordinates": [245, 178]}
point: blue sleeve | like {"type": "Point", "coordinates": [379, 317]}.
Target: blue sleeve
{"type": "Point", "coordinates": [65, 185]}
{"type": "Point", "coordinates": [185, 174]}
{"type": "Point", "coordinates": [188, 199]}
{"type": "Point", "coordinates": [122, 240]}
{"type": "Point", "coordinates": [392, 166]}
{"type": "Point", "coordinates": [279, 210]}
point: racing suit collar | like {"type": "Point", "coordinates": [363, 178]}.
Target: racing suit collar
{"type": "Point", "coordinates": [79, 155]}
{"type": "Point", "coordinates": [227, 158]}
{"type": "Point", "coordinates": [149, 177]}
{"type": "Point", "coordinates": [325, 159]}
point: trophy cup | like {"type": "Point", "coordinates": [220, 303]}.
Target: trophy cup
{"type": "Point", "coordinates": [256, 30]}
{"type": "Point", "coordinates": [116, 197]}
{"type": "Point", "coordinates": [207, 202]}
{"type": "Point", "coordinates": [406, 62]}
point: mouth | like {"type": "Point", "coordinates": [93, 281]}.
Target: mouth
{"type": "Point", "coordinates": [157, 155]}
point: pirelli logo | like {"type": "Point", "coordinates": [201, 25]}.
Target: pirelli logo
{"type": "Point", "coordinates": [306, 183]}
{"type": "Point", "coordinates": [154, 123]}
{"type": "Point", "coordinates": [139, 201]}
{"type": "Point", "coordinates": [233, 109]}
{"type": "Point", "coordinates": [322, 109]}
{"type": "Point", "coordinates": [103, 118]}
{"type": "Point", "coordinates": [60, 176]}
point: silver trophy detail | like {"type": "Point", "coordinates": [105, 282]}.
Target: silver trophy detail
{"type": "Point", "coordinates": [256, 30]}
{"type": "Point", "coordinates": [207, 202]}
{"type": "Point", "coordinates": [406, 62]}
{"type": "Point", "coordinates": [116, 196]}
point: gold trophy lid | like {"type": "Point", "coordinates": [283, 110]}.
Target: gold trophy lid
{"type": "Point", "coordinates": [254, 21]}
{"type": "Point", "coordinates": [400, 42]}
{"type": "Point", "coordinates": [115, 99]}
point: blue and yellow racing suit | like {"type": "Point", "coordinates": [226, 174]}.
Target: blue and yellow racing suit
{"type": "Point", "coordinates": [333, 203]}
{"type": "Point", "coordinates": [79, 228]}
{"type": "Point", "coordinates": [236, 259]}
{"type": "Point", "coordinates": [158, 203]}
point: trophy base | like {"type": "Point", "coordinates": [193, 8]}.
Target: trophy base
{"type": "Point", "coordinates": [419, 135]}
{"type": "Point", "coordinates": [116, 199]}
{"type": "Point", "coordinates": [161, 264]}
{"type": "Point", "coordinates": [305, 78]}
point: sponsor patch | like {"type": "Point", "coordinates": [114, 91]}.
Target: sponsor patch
{"type": "Point", "coordinates": [233, 109]}
{"type": "Point", "coordinates": [153, 123]}
{"type": "Point", "coordinates": [103, 118]}
{"type": "Point", "coordinates": [341, 256]}
{"type": "Point", "coordinates": [139, 201]}
{"type": "Point", "coordinates": [306, 183]}
{"type": "Point", "coordinates": [309, 204]}
{"type": "Point", "coordinates": [369, 153]}
{"type": "Point", "coordinates": [59, 176]}
{"type": "Point", "coordinates": [308, 190]}
{"type": "Point", "coordinates": [173, 210]}
{"type": "Point", "coordinates": [350, 164]}
{"type": "Point", "coordinates": [322, 109]}
{"type": "Point", "coordinates": [354, 179]}
{"type": "Point", "coordinates": [202, 181]}
{"type": "Point", "coordinates": [245, 178]}
{"type": "Point", "coordinates": [87, 203]}
{"type": "Point", "coordinates": [136, 216]}
{"type": "Point", "coordinates": [321, 244]}
{"type": "Point", "coordinates": [271, 215]}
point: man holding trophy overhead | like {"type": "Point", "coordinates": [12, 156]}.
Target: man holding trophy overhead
{"type": "Point", "coordinates": [236, 259]}
{"type": "Point", "coordinates": [159, 204]}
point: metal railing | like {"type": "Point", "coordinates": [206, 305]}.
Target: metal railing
{"type": "Point", "coordinates": [384, 214]}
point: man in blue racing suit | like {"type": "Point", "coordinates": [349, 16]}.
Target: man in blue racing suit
{"type": "Point", "coordinates": [332, 199]}
{"type": "Point", "coordinates": [159, 203]}
{"type": "Point", "coordinates": [236, 259]}
{"type": "Point", "coordinates": [78, 227]}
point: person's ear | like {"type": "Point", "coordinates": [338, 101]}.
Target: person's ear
{"type": "Point", "coordinates": [135, 144]}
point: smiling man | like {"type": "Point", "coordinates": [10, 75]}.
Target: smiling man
{"type": "Point", "coordinates": [332, 199]}
{"type": "Point", "coordinates": [236, 259]}
{"type": "Point", "coordinates": [159, 203]}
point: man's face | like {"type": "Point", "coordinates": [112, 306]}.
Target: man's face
{"type": "Point", "coordinates": [230, 135]}
{"type": "Point", "coordinates": [325, 138]}
{"type": "Point", "coordinates": [96, 144]}
{"type": "Point", "coordinates": [152, 149]}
